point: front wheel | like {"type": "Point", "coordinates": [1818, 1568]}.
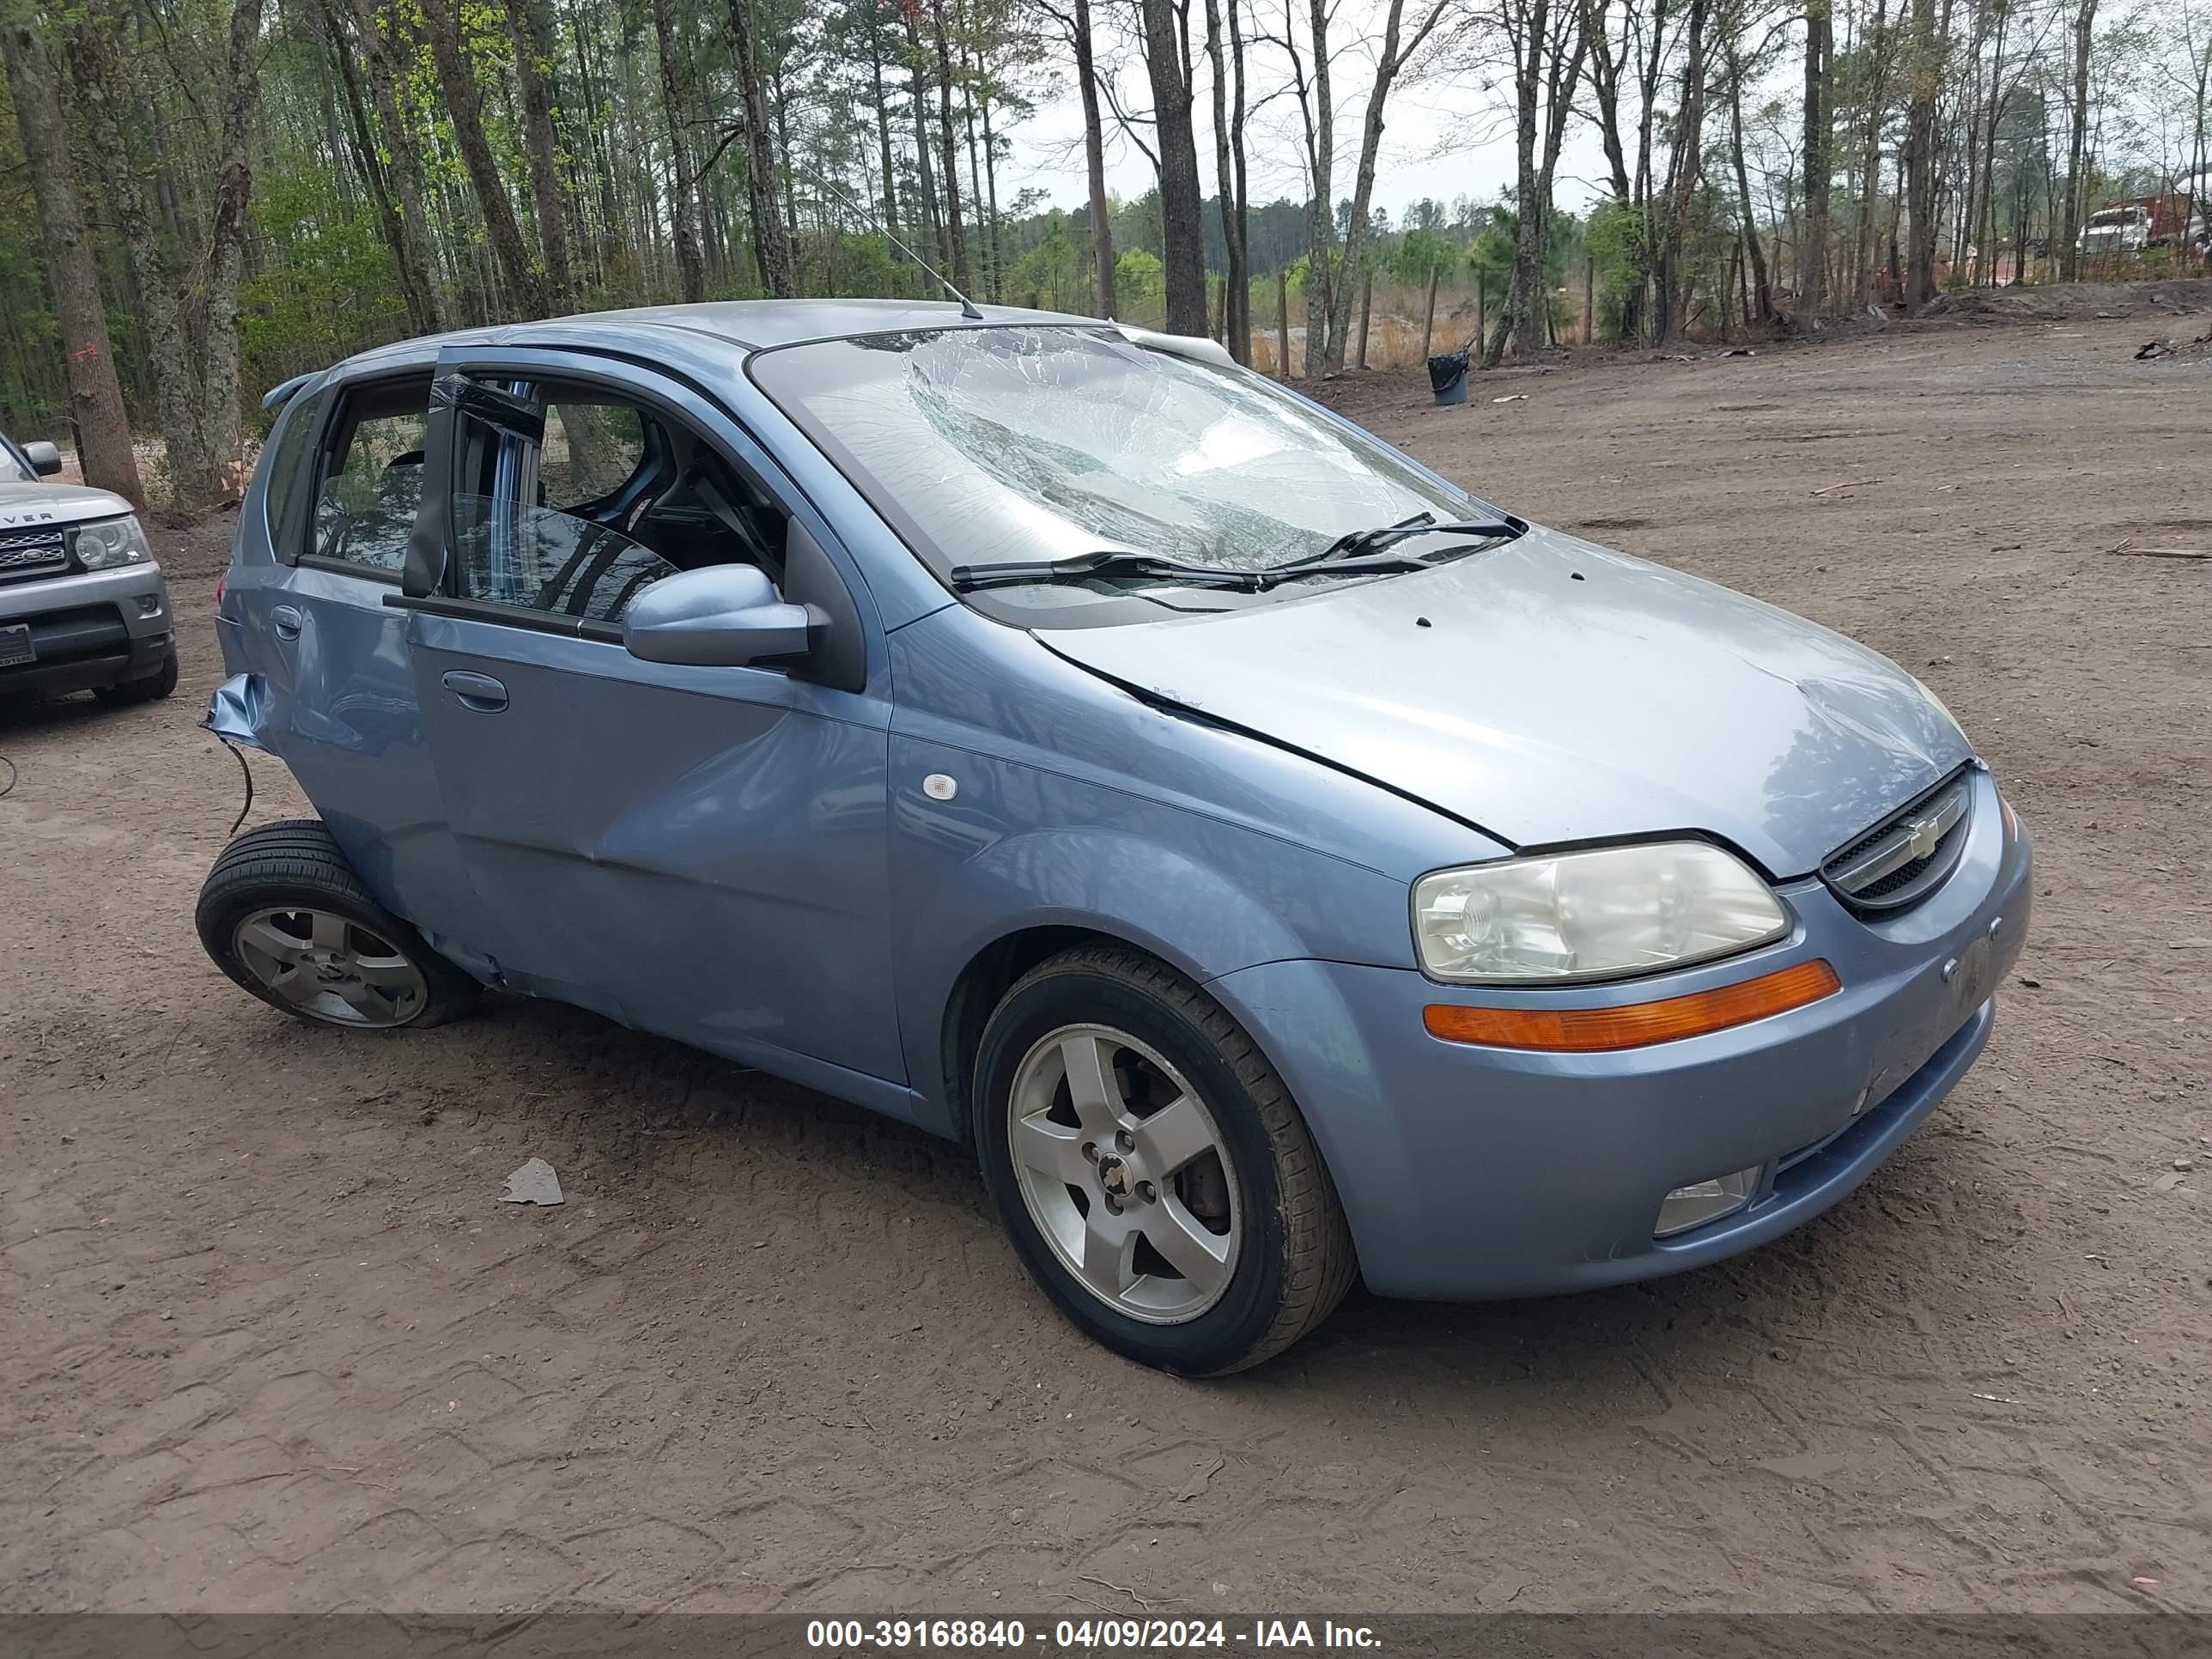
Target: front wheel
{"type": "Point", "coordinates": [1152, 1169]}
{"type": "Point", "coordinates": [284, 916]}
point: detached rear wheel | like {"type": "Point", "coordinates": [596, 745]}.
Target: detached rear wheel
{"type": "Point", "coordinates": [284, 914]}
{"type": "Point", "coordinates": [1151, 1168]}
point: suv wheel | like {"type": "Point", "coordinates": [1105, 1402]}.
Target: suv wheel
{"type": "Point", "coordinates": [1152, 1169]}
{"type": "Point", "coordinates": [284, 916]}
{"type": "Point", "coordinates": [159, 683]}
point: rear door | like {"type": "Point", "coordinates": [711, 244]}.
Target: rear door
{"type": "Point", "coordinates": [700, 852]}
{"type": "Point", "coordinates": [342, 493]}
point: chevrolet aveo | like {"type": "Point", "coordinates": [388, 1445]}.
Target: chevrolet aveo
{"type": "Point", "coordinates": [1278, 864]}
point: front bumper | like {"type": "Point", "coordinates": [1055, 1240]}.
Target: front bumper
{"type": "Point", "coordinates": [1470, 1173]}
{"type": "Point", "coordinates": [90, 629]}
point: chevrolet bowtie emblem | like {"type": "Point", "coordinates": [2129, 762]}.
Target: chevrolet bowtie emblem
{"type": "Point", "coordinates": [1927, 835]}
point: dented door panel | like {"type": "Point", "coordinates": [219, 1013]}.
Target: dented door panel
{"type": "Point", "coordinates": [696, 852]}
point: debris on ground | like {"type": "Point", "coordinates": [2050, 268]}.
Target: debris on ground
{"type": "Point", "coordinates": [2128, 550]}
{"type": "Point", "coordinates": [533, 1184]}
{"type": "Point", "coordinates": [1514, 398]}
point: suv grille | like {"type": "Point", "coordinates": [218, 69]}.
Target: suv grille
{"type": "Point", "coordinates": [38, 552]}
{"type": "Point", "coordinates": [1905, 857]}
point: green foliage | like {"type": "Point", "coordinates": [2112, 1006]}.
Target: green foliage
{"type": "Point", "coordinates": [1418, 253]}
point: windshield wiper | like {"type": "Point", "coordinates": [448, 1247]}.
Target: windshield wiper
{"type": "Point", "coordinates": [1105, 561]}
{"type": "Point", "coordinates": [1357, 553]}
{"type": "Point", "coordinates": [1353, 548]}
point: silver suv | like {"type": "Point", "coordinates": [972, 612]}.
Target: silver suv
{"type": "Point", "coordinates": [82, 604]}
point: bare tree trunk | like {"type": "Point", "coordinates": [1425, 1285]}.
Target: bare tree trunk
{"type": "Point", "coordinates": [377, 177]}
{"type": "Point", "coordinates": [227, 229]}
{"type": "Point", "coordinates": [530, 24]}
{"type": "Point", "coordinates": [779, 272]}
{"type": "Point", "coordinates": [1240, 301]}
{"type": "Point", "coordinates": [994, 240]}
{"type": "Point", "coordinates": [1094, 158]}
{"type": "Point", "coordinates": [1867, 249]}
{"type": "Point", "coordinates": [417, 257]}
{"type": "Point", "coordinates": [683, 203]}
{"type": "Point", "coordinates": [1985, 230]}
{"type": "Point", "coordinates": [95, 395]}
{"type": "Point", "coordinates": [176, 391]}
{"type": "Point", "coordinates": [1760, 304]}
{"type": "Point", "coordinates": [1320, 210]}
{"type": "Point", "coordinates": [1924, 69]}
{"type": "Point", "coordinates": [955, 234]}
{"type": "Point", "coordinates": [2085, 22]}
{"type": "Point", "coordinates": [975, 200]}
{"type": "Point", "coordinates": [1182, 232]}
{"type": "Point", "coordinates": [1396, 49]}
{"type": "Point", "coordinates": [1604, 76]}
{"type": "Point", "coordinates": [1820, 165]}
{"type": "Point", "coordinates": [1525, 285]}
{"type": "Point", "coordinates": [465, 108]}
{"type": "Point", "coordinates": [1236, 330]}
{"type": "Point", "coordinates": [932, 208]}
{"type": "Point", "coordinates": [1682, 170]}
{"type": "Point", "coordinates": [872, 23]}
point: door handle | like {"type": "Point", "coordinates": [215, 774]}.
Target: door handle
{"type": "Point", "coordinates": [480, 692]}
{"type": "Point", "coordinates": [288, 623]}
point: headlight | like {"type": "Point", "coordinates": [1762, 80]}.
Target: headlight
{"type": "Point", "coordinates": [113, 542]}
{"type": "Point", "coordinates": [1597, 915]}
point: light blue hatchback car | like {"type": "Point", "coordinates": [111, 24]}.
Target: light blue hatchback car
{"type": "Point", "coordinates": [1280, 865]}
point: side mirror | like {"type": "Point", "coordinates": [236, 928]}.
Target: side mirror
{"type": "Point", "coordinates": [46, 460]}
{"type": "Point", "coordinates": [727, 616]}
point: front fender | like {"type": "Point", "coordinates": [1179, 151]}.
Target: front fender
{"type": "Point", "coordinates": [1020, 847]}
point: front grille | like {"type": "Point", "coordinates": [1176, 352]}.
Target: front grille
{"type": "Point", "coordinates": [25, 553]}
{"type": "Point", "coordinates": [1905, 857]}
{"type": "Point", "coordinates": [80, 633]}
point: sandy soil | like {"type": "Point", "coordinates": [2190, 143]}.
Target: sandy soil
{"type": "Point", "coordinates": [268, 1341]}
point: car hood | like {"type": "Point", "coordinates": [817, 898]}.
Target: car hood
{"type": "Point", "coordinates": [1550, 691]}
{"type": "Point", "coordinates": [26, 504]}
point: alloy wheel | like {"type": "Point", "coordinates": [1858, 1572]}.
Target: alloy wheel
{"type": "Point", "coordinates": [1126, 1173]}
{"type": "Point", "coordinates": [328, 968]}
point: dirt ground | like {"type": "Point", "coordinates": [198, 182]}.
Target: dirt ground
{"type": "Point", "coordinates": [268, 1341]}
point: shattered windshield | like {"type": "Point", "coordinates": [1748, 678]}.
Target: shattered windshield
{"type": "Point", "coordinates": [987, 444]}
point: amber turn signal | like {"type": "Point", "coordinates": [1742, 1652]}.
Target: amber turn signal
{"type": "Point", "coordinates": [1595, 1031]}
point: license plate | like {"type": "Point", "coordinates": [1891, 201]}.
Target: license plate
{"type": "Point", "coordinates": [1974, 979]}
{"type": "Point", "coordinates": [16, 645]}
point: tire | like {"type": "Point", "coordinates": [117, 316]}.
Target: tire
{"type": "Point", "coordinates": [282, 914]}
{"type": "Point", "coordinates": [155, 686]}
{"type": "Point", "coordinates": [1253, 1215]}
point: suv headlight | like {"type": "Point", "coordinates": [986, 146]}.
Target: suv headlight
{"type": "Point", "coordinates": [110, 543]}
{"type": "Point", "coordinates": [1596, 914]}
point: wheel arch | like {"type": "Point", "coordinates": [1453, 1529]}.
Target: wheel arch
{"type": "Point", "coordinates": [1032, 896]}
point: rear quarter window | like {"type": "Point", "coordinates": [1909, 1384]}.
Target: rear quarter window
{"type": "Point", "coordinates": [289, 458]}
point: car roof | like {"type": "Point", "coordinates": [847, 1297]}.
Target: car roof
{"type": "Point", "coordinates": [738, 326]}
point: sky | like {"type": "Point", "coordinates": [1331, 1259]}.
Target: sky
{"type": "Point", "coordinates": [1445, 136]}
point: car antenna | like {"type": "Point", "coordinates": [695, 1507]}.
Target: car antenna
{"type": "Point", "coordinates": [967, 306]}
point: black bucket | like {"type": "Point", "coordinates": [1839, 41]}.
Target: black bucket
{"type": "Point", "coordinates": [1448, 377]}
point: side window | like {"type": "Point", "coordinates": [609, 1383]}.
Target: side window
{"type": "Point", "coordinates": [552, 491]}
{"type": "Point", "coordinates": [372, 475]}
{"type": "Point", "coordinates": [590, 451]}
{"type": "Point", "coordinates": [287, 461]}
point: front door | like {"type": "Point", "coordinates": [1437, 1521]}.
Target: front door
{"type": "Point", "coordinates": [700, 852]}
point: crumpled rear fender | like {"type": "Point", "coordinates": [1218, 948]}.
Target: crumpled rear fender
{"type": "Point", "coordinates": [239, 713]}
